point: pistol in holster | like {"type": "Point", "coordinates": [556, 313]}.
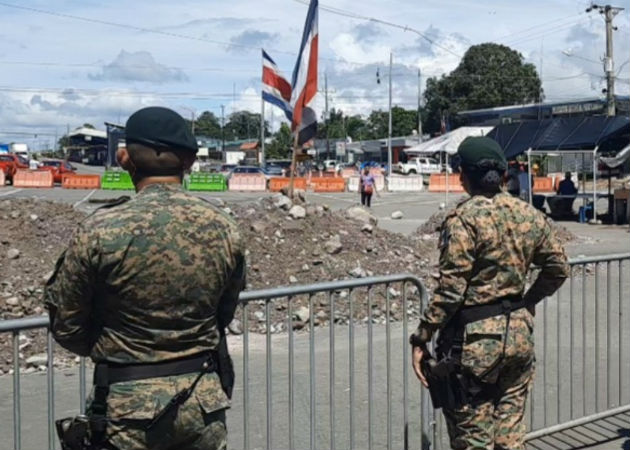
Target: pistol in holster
{"type": "Point", "coordinates": [449, 388]}
{"type": "Point", "coordinates": [74, 433]}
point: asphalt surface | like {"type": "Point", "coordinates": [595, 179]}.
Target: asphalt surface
{"type": "Point", "coordinates": [588, 325]}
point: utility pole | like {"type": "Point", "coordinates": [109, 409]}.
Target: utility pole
{"type": "Point", "coordinates": [389, 131]}
{"type": "Point", "coordinates": [326, 114]}
{"type": "Point", "coordinates": [223, 130]}
{"type": "Point", "coordinates": [419, 106]}
{"type": "Point", "coordinates": [609, 13]}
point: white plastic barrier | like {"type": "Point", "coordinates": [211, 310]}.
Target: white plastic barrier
{"type": "Point", "coordinates": [353, 183]}
{"type": "Point", "coordinates": [247, 183]}
{"type": "Point", "coordinates": [405, 184]}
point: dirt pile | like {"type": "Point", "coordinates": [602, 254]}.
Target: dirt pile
{"type": "Point", "coordinates": [288, 242]}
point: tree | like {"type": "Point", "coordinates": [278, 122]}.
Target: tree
{"type": "Point", "coordinates": [488, 75]}
{"type": "Point", "coordinates": [207, 124]}
{"type": "Point", "coordinates": [281, 143]}
{"type": "Point", "coordinates": [88, 125]}
{"type": "Point", "coordinates": [244, 125]}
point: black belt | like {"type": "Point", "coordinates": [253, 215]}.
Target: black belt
{"type": "Point", "coordinates": [108, 373]}
{"type": "Point", "coordinates": [505, 305]}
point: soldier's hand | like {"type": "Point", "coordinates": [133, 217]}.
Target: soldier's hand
{"type": "Point", "coordinates": [416, 356]}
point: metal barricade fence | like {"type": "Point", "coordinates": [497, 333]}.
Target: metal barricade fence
{"type": "Point", "coordinates": [368, 401]}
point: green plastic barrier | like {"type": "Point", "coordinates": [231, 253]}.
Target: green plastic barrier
{"type": "Point", "coordinates": [199, 181]}
{"type": "Point", "coordinates": [116, 181]}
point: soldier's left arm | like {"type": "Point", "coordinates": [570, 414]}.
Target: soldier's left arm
{"type": "Point", "coordinates": [549, 255]}
{"type": "Point", "coordinates": [457, 250]}
{"type": "Point", "coordinates": [68, 296]}
{"type": "Point", "coordinates": [235, 282]}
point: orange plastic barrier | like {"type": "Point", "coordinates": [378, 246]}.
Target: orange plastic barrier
{"type": "Point", "coordinates": [3, 179]}
{"type": "Point", "coordinates": [328, 184]}
{"type": "Point", "coordinates": [33, 179]}
{"type": "Point", "coordinates": [77, 181]}
{"type": "Point", "coordinates": [276, 184]}
{"type": "Point", "coordinates": [437, 183]}
{"type": "Point", "coordinates": [247, 183]}
{"type": "Point", "coordinates": [543, 184]}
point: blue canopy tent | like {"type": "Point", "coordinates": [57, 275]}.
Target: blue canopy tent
{"type": "Point", "coordinates": [585, 135]}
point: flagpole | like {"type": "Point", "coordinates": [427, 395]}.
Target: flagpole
{"type": "Point", "coordinates": [262, 118]}
{"type": "Point", "coordinates": [293, 162]}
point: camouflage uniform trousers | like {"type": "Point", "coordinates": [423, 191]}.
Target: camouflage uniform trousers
{"type": "Point", "coordinates": [198, 424]}
{"type": "Point", "coordinates": [498, 422]}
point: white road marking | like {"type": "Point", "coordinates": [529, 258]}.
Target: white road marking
{"type": "Point", "coordinates": [86, 198]}
{"type": "Point", "coordinates": [10, 192]}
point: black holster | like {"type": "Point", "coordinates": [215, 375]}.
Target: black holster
{"type": "Point", "coordinates": [225, 366]}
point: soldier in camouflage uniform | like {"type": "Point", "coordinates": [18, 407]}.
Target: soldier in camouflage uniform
{"type": "Point", "coordinates": [487, 246]}
{"type": "Point", "coordinates": [149, 281]}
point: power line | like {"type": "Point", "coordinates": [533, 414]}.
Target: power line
{"type": "Point", "coordinates": [539, 26]}
{"type": "Point", "coordinates": [542, 34]}
{"type": "Point", "coordinates": [342, 12]}
{"type": "Point", "coordinates": [161, 32]}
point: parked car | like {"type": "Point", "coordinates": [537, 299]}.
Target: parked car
{"type": "Point", "coordinates": [57, 167]}
{"type": "Point", "coordinates": [420, 165]}
{"type": "Point", "coordinates": [248, 170]}
{"type": "Point", "coordinates": [225, 169]}
{"type": "Point", "coordinates": [274, 170]}
{"type": "Point", "coordinates": [10, 162]}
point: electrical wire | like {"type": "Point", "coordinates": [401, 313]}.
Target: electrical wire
{"type": "Point", "coordinates": [342, 12]}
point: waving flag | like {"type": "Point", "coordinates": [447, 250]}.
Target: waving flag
{"type": "Point", "coordinates": [304, 81]}
{"type": "Point", "coordinates": [275, 88]}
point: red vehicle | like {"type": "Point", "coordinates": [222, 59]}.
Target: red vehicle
{"type": "Point", "coordinates": [10, 162]}
{"type": "Point", "coordinates": [57, 167]}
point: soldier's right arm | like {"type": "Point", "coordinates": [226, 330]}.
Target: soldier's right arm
{"type": "Point", "coordinates": [68, 296]}
{"type": "Point", "coordinates": [554, 269]}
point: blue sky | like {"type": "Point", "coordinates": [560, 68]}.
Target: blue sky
{"type": "Point", "coordinates": [64, 63]}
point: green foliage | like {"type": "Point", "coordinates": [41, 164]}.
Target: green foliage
{"type": "Point", "coordinates": [488, 75]}
{"type": "Point", "coordinates": [244, 125]}
{"type": "Point", "coordinates": [281, 144]}
{"type": "Point", "coordinates": [207, 124]}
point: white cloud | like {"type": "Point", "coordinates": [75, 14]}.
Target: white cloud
{"type": "Point", "coordinates": [138, 66]}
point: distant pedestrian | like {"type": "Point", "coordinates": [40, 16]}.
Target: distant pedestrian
{"type": "Point", "coordinates": [367, 186]}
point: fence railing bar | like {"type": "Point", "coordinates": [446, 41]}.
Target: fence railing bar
{"type": "Point", "coordinates": [584, 366]}
{"type": "Point", "coordinates": [351, 364]}
{"type": "Point", "coordinates": [268, 368]}
{"type": "Point", "coordinates": [17, 413]}
{"type": "Point", "coordinates": [331, 369]}
{"type": "Point", "coordinates": [291, 378]}
{"type": "Point", "coordinates": [620, 344]}
{"type": "Point", "coordinates": [558, 340]}
{"type": "Point", "coordinates": [609, 322]}
{"type": "Point", "coordinates": [576, 422]}
{"type": "Point", "coordinates": [245, 377]}
{"type": "Point", "coordinates": [312, 367]}
{"type": "Point", "coordinates": [370, 368]}
{"type": "Point", "coordinates": [546, 321]}
{"type": "Point", "coordinates": [405, 352]}
{"type": "Point", "coordinates": [82, 384]}
{"type": "Point", "coordinates": [596, 340]}
{"type": "Point", "coordinates": [572, 344]}
{"type": "Point", "coordinates": [50, 385]}
{"type": "Point", "coordinates": [388, 363]}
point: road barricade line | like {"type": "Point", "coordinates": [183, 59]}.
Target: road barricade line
{"type": "Point", "coordinates": [25, 178]}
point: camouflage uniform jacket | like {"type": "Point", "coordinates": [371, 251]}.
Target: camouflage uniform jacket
{"type": "Point", "coordinates": [150, 280]}
{"type": "Point", "coordinates": [487, 245]}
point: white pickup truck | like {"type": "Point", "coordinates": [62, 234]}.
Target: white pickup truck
{"type": "Point", "coordinates": [420, 165]}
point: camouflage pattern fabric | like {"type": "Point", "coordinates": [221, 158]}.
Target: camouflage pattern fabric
{"type": "Point", "coordinates": [147, 281]}
{"type": "Point", "coordinates": [487, 246]}
{"type": "Point", "coordinates": [199, 424]}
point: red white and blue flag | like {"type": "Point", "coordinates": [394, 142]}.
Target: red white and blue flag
{"type": "Point", "coordinates": [304, 81]}
{"type": "Point", "coordinates": [275, 88]}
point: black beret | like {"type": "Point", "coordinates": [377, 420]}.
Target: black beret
{"type": "Point", "coordinates": [476, 152]}
{"type": "Point", "coordinates": [158, 127]}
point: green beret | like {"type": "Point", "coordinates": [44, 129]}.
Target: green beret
{"type": "Point", "coordinates": [481, 152]}
{"type": "Point", "coordinates": [158, 127]}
